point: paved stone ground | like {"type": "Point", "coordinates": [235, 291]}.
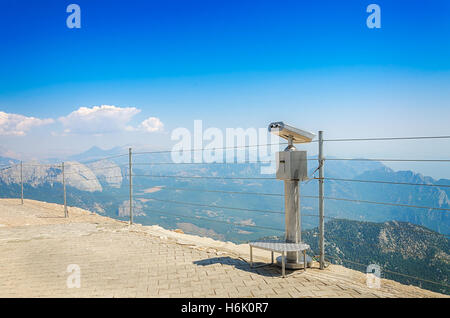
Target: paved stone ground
{"type": "Point", "coordinates": [117, 260]}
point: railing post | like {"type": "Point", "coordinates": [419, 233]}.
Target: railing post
{"type": "Point", "coordinates": [131, 185]}
{"type": "Point", "coordinates": [66, 213]}
{"type": "Point", "coordinates": [21, 181]}
{"type": "Point", "coordinates": [321, 203]}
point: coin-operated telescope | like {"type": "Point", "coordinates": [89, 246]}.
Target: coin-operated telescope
{"type": "Point", "coordinates": [292, 167]}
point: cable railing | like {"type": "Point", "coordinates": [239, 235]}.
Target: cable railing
{"type": "Point", "coordinates": [215, 206]}
{"type": "Point", "coordinates": [387, 160]}
{"type": "Point", "coordinates": [306, 196]}
{"type": "Point", "coordinates": [208, 163]}
{"type": "Point", "coordinates": [209, 149]}
{"type": "Point", "coordinates": [285, 143]}
{"type": "Point", "coordinates": [164, 188]}
{"type": "Point", "coordinates": [115, 167]}
{"type": "Point", "coordinates": [388, 203]}
{"type": "Point", "coordinates": [217, 191]}
{"type": "Point", "coordinates": [6, 168]}
{"type": "Point", "coordinates": [391, 272]}
{"type": "Point", "coordinates": [185, 174]}
{"type": "Point", "coordinates": [217, 221]}
{"type": "Point", "coordinates": [389, 182]}
{"type": "Point", "coordinates": [103, 159]}
{"type": "Point", "coordinates": [204, 177]}
{"type": "Point", "coordinates": [388, 138]}
{"type": "Point", "coordinates": [252, 178]}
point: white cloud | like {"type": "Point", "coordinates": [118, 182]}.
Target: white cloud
{"type": "Point", "coordinates": [18, 125]}
{"type": "Point", "coordinates": [98, 119]}
{"type": "Point", "coordinates": [151, 124]}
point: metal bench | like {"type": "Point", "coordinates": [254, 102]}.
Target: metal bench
{"type": "Point", "coordinates": [280, 247]}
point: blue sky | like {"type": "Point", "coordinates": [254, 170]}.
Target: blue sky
{"type": "Point", "coordinates": [314, 64]}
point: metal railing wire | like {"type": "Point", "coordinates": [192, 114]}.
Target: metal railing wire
{"type": "Point", "coordinates": [388, 138]}
{"type": "Point", "coordinates": [386, 160]}
{"type": "Point", "coordinates": [391, 272]}
{"type": "Point", "coordinates": [215, 206]}
{"type": "Point", "coordinates": [313, 197]}
{"type": "Point", "coordinates": [204, 177]}
{"type": "Point", "coordinates": [389, 182]}
{"type": "Point", "coordinates": [215, 220]}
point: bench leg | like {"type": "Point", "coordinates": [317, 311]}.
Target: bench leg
{"type": "Point", "coordinates": [304, 260]}
{"type": "Point", "coordinates": [283, 264]}
{"type": "Point", "coordinates": [272, 257]}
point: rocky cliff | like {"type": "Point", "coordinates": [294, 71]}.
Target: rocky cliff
{"type": "Point", "coordinates": [34, 174]}
{"type": "Point", "coordinates": [107, 173]}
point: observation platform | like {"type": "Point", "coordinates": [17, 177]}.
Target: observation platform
{"type": "Point", "coordinates": [38, 245]}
